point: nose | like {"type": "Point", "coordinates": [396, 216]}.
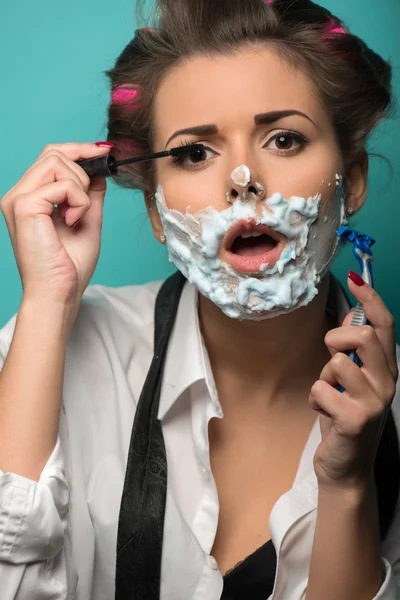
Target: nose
{"type": "Point", "coordinates": [241, 185]}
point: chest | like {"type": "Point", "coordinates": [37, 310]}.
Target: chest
{"type": "Point", "coordinates": [252, 471]}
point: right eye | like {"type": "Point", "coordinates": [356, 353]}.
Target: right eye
{"type": "Point", "coordinates": [198, 156]}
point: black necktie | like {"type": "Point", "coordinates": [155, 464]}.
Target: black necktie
{"type": "Point", "coordinates": [141, 517]}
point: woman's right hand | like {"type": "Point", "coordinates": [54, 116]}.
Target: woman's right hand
{"type": "Point", "coordinates": [55, 260]}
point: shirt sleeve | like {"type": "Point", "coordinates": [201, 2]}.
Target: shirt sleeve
{"type": "Point", "coordinates": [390, 552]}
{"type": "Point", "coordinates": [390, 589]}
{"type": "Point", "coordinates": [35, 551]}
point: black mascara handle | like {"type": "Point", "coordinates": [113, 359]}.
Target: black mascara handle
{"type": "Point", "coordinates": [99, 166]}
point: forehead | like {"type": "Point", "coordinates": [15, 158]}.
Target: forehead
{"type": "Point", "coordinates": [232, 88]}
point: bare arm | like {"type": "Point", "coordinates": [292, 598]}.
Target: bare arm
{"type": "Point", "coordinates": [31, 383]}
{"type": "Point", "coordinates": [346, 562]}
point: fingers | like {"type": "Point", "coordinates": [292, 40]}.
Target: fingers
{"type": "Point", "coordinates": [52, 167]}
{"type": "Point", "coordinates": [57, 192]}
{"type": "Point", "coordinates": [71, 152]}
{"type": "Point", "coordinates": [357, 382]}
{"type": "Point", "coordinates": [328, 400]}
{"type": "Point", "coordinates": [56, 164]}
{"type": "Point", "coordinates": [351, 417]}
{"type": "Point", "coordinates": [68, 153]}
{"type": "Point", "coordinates": [381, 319]}
{"type": "Point", "coordinates": [365, 342]}
{"type": "Point", "coordinates": [76, 150]}
{"type": "Point", "coordinates": [369, 390]}
{"type": "Point", "coordinates": [348, 318]}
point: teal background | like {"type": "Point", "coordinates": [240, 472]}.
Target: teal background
{"type": "Point", "coordinates": [53, 55]}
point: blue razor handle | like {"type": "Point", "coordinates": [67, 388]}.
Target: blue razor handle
{"type": "Point", "coordinates": [362, 251]}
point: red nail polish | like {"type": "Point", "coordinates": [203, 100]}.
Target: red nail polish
{"type": "Point", "coordinates": [356, 278]}
{"type": "Point", "coordinates": [107, 144]}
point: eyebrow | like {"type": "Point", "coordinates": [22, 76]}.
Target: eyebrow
{"type": "Point", "coordinates": [262, 119]}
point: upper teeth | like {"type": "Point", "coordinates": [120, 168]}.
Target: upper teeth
{"type": "Point", "coordinates": [248, 234]}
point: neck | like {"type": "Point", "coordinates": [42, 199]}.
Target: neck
{"type": "Point", "coordinates": [269, 362]}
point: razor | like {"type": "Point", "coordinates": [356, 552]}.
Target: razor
{"type": "Point", "coordinates": [362, 251]}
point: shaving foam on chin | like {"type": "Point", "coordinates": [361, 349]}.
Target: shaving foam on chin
{"type": "Point", "coordinates": [194, 242]}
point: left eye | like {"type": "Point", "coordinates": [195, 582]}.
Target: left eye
{"type": "Point", "coordinates": [285, 141]}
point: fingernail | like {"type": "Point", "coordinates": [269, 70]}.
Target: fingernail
{"type": "Point", "coordinates": [356, 278]}
{"type": "Point", "coordinates": [106, 144]}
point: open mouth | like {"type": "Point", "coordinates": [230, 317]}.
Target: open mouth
{"type": "Point", "coordinates": [248, 246]}
{"type": "Point", "coordinates": [253, 243]}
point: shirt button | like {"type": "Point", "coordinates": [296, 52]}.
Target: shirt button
{"type": "Point", "coordinates": [205, 473]}
{"type": "Point", "coordinates": [213, 563]}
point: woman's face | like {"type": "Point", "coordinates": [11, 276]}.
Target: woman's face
{"type": "Point", "coordinates": [228, 92]}
{"type": "Point", "coordinates": [250, 256]}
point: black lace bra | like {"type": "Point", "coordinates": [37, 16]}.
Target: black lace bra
{"type": "Point", "coordinates": [253, 577]}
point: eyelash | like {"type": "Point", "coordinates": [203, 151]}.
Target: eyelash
{"type": "Point", "coordinates": [178, 160]}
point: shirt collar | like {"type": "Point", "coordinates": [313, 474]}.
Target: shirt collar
{"type": "Point", "coordinates": [338, 304]}
{"type": "Point", "coordinates": [187, 359]}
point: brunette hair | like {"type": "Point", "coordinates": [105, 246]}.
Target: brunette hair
{"type": "Point", "coordinates": [353, 81]}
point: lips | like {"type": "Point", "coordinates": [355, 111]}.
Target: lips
{"type": "Point", "coordinates": [249, 260]}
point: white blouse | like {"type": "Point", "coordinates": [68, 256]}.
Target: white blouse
{"type": "Point", "coordinates": [58, 535]}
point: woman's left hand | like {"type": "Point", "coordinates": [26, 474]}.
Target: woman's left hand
{"type": "Point", "coordinates": [352, 422]}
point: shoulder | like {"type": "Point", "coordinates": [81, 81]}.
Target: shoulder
{"type": "Point", "coordinates": [134, 303]}
{"type": "Point", "coordinates": [121, 318]}
{"type": "Point", "coordinates": [109, 313]}
{"type": "Point", "coordinates": [391, 545]}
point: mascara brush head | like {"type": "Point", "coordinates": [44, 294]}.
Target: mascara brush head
{"type": "Point", "coordinates": [107, 165]}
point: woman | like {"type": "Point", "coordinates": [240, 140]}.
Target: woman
{"type": "Point", "coordinates": [236, 372]}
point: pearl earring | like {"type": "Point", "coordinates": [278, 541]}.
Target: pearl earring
{"type": "Point", "coordinates": [163, 239]}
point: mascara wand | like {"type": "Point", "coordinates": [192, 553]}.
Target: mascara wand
{"type": "Point", "coordinates": [107, 165]}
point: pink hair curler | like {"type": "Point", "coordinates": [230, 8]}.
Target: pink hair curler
{"type": "Point", "coordinates": [125, 94]}
{"type": "Point", "coordinates": [331, 30]}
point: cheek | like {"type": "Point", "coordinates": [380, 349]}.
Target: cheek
{"type": "Point", "coordinates": [176, 192]}
{"type": "Point", "coordinates": [196, 190]}
{"type": "Point", "coordinates": [312, 183]}
{"type": "Point", "coordinates": [179, 196]}
{"type": "Point", "coordinates": [312, 172]}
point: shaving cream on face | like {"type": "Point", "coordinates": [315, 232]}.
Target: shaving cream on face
{"type": "Point", "coordinates": [194, 243]}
